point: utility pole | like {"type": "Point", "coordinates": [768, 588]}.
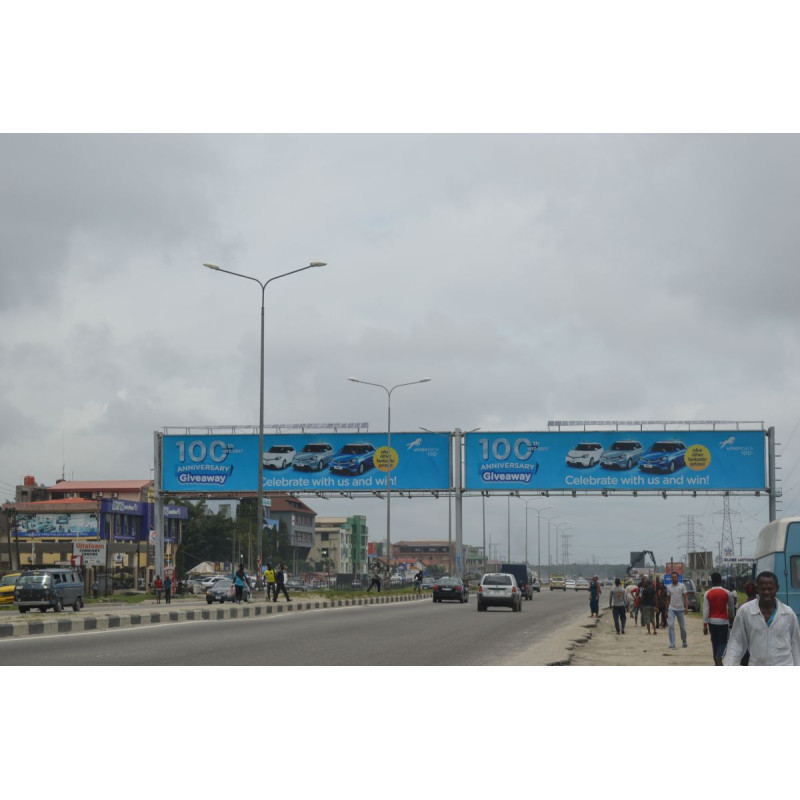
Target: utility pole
{"type": "Point", "coordinates": [726, 548]}
{"type": "Point", "coordinates": [691, 545]}
{"type": "Point", "coordinates": [565, 537]}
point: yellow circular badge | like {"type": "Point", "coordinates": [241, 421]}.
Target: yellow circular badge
{"type": "Point", "coordinates": [698, 457]}
{"type": "Point", "coordinates": [385, 459]}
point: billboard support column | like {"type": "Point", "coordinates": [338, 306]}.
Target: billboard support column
{"type": "Point", "coordinates": [158, 508]}
{"type": "Point", "coordinates": [458, 483]}
{"type": "Point", "coordinates": [773, 494]}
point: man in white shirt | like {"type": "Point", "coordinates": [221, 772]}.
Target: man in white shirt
{"type": "Point", "coordinates": [678, 607]}
{"type": "Point", "coordinates": [766, 627]}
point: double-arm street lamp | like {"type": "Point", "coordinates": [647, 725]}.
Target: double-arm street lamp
{"type": "Point", "coordinates": [538, 534]}
{"type": "Point", "coordinates": [549, 556]}
{"type": "Point", "coordinates": [389, 459]}
{"type": "Point", "coordinates": [260, 470]}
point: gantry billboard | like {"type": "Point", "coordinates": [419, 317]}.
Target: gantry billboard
{"type": "Point", "coordinates": [632, 460]}
{"type": "Point", "coordinates": [300, 462]}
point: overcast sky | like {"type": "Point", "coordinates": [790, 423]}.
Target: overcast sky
{"type": "Point", "coordinates": [531, 277]}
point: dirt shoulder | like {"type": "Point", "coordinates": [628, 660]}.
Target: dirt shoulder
{"type": "Point", "coordinates": [590, 642]}
{"type": "Point", "coordinates": [637, 648]}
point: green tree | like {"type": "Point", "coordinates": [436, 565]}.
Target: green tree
{"type": "Point", "coordinates": [206, 536]}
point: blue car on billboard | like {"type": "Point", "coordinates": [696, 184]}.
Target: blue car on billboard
{"type": "Point", "coordinates": [354, 459]}
{"type": "Point", "coordinates": [664, 456]}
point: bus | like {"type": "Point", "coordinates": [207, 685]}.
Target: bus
{"type": "Point", "coordinates": [778, 551]}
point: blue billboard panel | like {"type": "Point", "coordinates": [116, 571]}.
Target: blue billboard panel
{"type": "Point", "coordinates": [616, 461]}
{"type": "Point", "coordinates": [294, 462]}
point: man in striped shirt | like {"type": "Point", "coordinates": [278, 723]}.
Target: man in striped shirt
{"type": "Point", "coordinates": [718, 610]}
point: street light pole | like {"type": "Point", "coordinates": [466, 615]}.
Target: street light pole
{"type": "Point", "coordinates": [538, 531]}
{"type": "Point", "coordinates": [260, 470]}
{"type": "Point", "coordinates": [389, 459]}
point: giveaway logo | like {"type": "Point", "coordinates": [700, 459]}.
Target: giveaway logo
{"type": "Point", "coordinates": [204, 474]}
{"type": "Point", "coordinates": [508, 473]}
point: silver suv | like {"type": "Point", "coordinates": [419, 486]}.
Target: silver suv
{"type": "Point", "coordinates": [499, 589]}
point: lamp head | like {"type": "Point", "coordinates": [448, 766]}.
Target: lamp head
{"type": "Point", "coordinates": [210, 266]}
{"type": "Point", "coordinates": [317, 263]}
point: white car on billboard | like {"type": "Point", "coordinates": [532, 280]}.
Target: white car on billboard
{"type": "Point", "coordinates": [279, 456]}
{"type": "Point", "coordinates": [585, 454]}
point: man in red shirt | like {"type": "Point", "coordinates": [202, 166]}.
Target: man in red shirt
{"type": "Point", "coordinates": [718, 616]}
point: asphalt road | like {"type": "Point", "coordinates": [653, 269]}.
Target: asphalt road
{"type": "Point", "coordinates": [403, 634]}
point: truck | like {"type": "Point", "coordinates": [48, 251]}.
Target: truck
{"type": "Point", "coordinates": [524, 576]}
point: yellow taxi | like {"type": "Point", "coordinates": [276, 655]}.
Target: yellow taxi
{"type": "Point", "coordinates": [7, 583]}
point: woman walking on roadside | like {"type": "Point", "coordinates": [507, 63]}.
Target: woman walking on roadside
{"type": "Point", "coordinates": [594, 597]}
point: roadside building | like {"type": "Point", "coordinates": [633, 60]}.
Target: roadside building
{"type": "Point", "coordinates": [340, 545]}
{"type": "Point", "coordinates": [117, 514]}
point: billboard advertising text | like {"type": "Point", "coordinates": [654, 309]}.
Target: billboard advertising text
{"type": "Point", "coordinates": [615, 461]}
{"type": "Point", "coordinates": [334, 462]}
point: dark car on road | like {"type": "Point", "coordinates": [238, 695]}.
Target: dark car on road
{"type": "Point", "coordinates": [691, 594]}
{"type": "Point", "coordinates": [224, 592]}
{"type": "Point", "coordinates": [450, 589]}
{"type": "Point", "coordinates": [296, 585]}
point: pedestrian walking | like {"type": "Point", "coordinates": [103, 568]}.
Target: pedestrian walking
{"type": "Point", "coordinates": [594, 597]}
{"type": "Point", "coordinates": [766, 627]}
{"type": "Point", "coordinates": [280, 583]}
{"type": "Point", "coordinates": [718, 615]}
{"type": "Point", "coordinates": [269, 577]}
{"type": "Point", "coordinates": [751, 592]}
{"type": "Point", "coordinates": [96, 588]}
{"type": "Point", "coordinates": [158, 585]}
{"type": "Point", "coordinates": [167, 588]}
{"type": "Point", "coordinates": [662, 604]}
{"type": "Point", "coordinates": [418, 583]}
{"type": "Point", "coordinates": [632, 590]}
{"type": "Point", "coordinates": [678, 608]}
{"type": "Point", "coordinates": [618, 603]}
{"type": "Point", "coordinates": [239, 582]}
{"type": "Point", "coordinates": [376, 578]}
{"type": "Point", "coordinates": [647, 605]}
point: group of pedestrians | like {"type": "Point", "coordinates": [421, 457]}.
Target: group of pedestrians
{"type": "Point", "coordinates": [164, 586]}
{"type": "Point", "coordinates": [763, 632]}
{"type": "Point", "coordinates": [275, 583]}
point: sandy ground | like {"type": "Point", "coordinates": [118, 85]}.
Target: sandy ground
{"type": "Point", "coordinates": [594, 642]}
